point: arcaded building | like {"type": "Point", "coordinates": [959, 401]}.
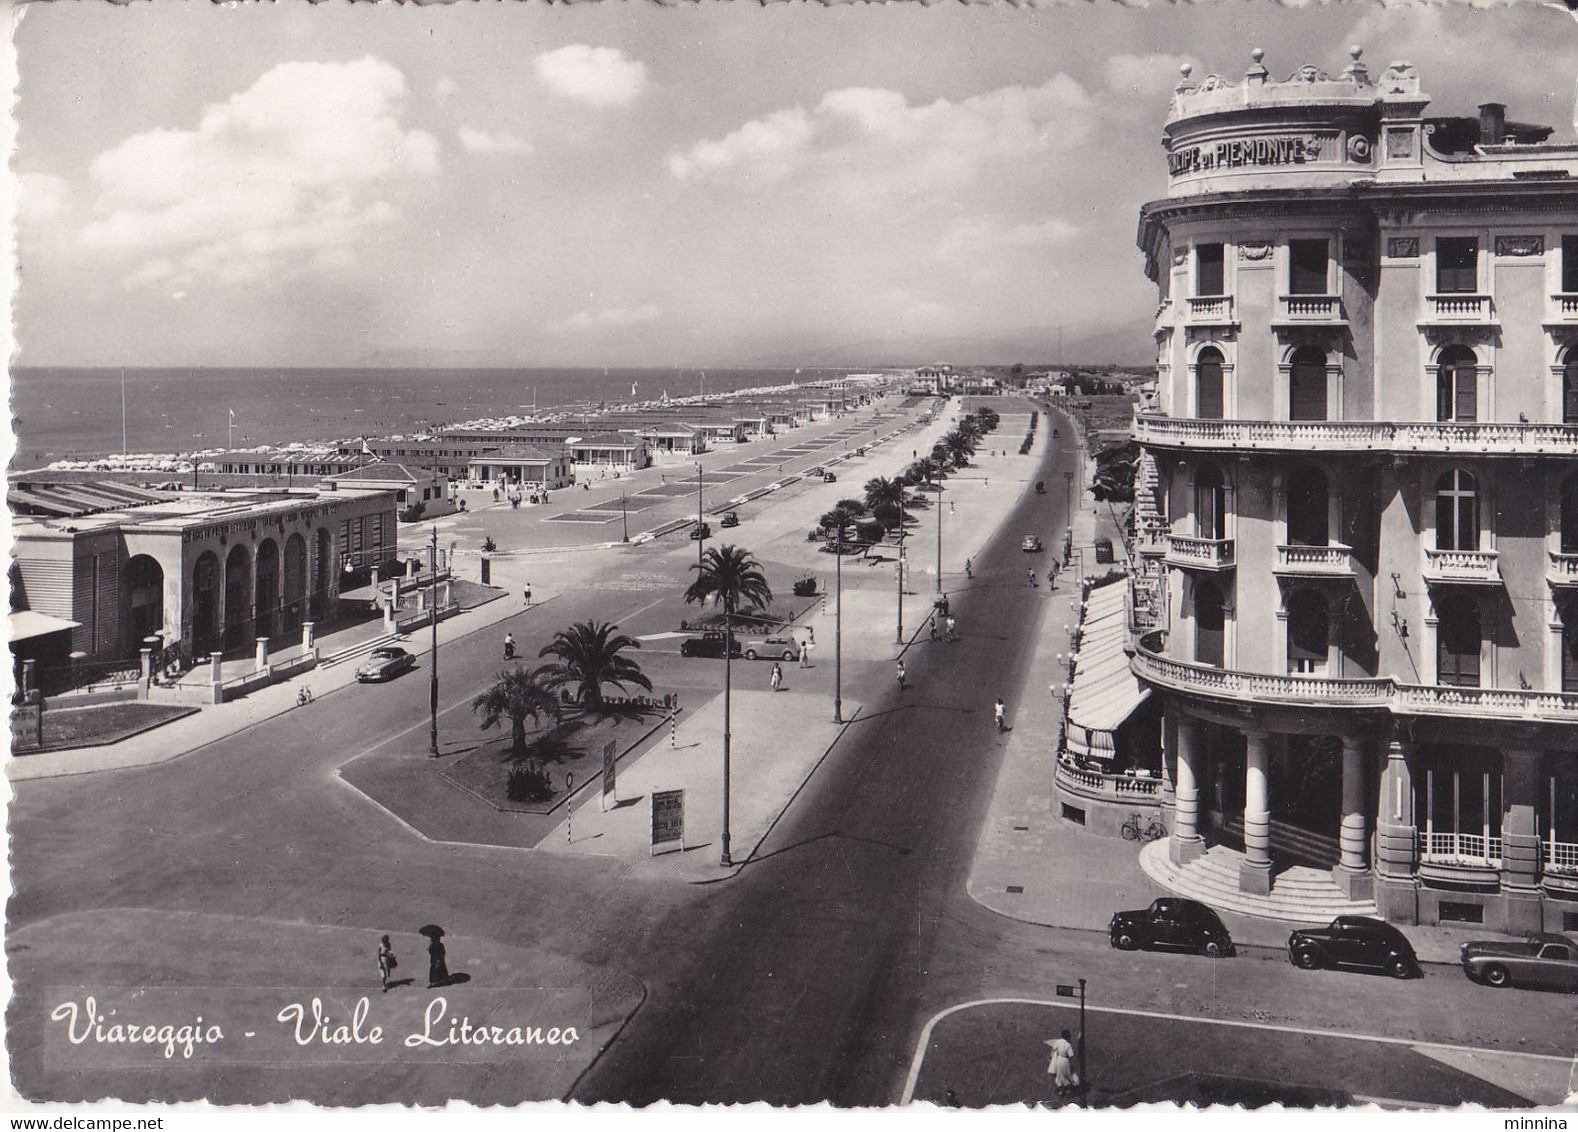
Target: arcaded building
{"type": "Point", "coordinates": [1365, 443]}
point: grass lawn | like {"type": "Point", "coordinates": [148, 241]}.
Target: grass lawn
{"type": "Point", "coordinates": [574, 747]}
{"type": "Point", "coordinates": [91, 726]}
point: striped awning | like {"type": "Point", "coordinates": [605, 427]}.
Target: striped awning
{"type": "Point", "coordinates": [1105, 691]}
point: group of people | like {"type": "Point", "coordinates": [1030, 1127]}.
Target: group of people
{"type": "Point", "coordinates": [437, 958]}
{"type": "Point", "coordinates": [949, 628]}
{"type": "Point", "coordinates": [1052, 575]}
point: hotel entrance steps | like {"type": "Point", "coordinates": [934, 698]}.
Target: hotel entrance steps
{"type": "Point", "coordinates": [1298, 894]}
{"type": "Point", "coordinates": [358, 650]}
{"type": "Point", "coordinates": [1291, 844]}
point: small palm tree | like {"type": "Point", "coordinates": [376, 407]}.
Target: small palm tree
{"type": "Point", "coordinates": [926, 469]}
{"type": "Point", "coordinates": [519, 694]}
{"type": "Point", "coordinates": [588, 655]}
{"type": "Point", "coordinates": [839, 522]}
{"type": "Point", "coordinates": [880, 491]}
{"type": "Point", "coordinates": [731, 577]}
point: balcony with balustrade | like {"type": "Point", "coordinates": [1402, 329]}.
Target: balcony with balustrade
{"type": "Point", "coordinates": [1480, 438]}
{"type": "Point", "coordinates": [1100, 786]}
{"type": "Point", "coordinates": [1563, 570]}
{"type": "Point", "coordinates": [1466, 859]}
{"type": "Point", "coordinates": [1473, 567]}
{"type": "Point", "coordinates": [1152, 664]}
{"type": "Point", "coordinates": [1458, 310]}
{"type": "Point", "coordinates": [1200, 553]}
{"type": "Point", "coordinates": [1331, 561]}
{"type": "Point", "coordinates": [1210, 310]}
{"type": "Point", "coordinates": [1563, 310]}
{"type": "Point", "coordinates": [1310, 310]}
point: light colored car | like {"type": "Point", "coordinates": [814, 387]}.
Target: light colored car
{"type": "Point", "coordinates": [1032, 544]}
{"type": "Point", "coordinates": [384, 663]}
{"type": "Point", "coordinates": [1543, 961]}
{"type": "Point", "coordinates": [778, 646]}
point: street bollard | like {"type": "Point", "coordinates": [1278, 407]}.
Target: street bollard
{"type": "Point", "coordinates": [569, 808]}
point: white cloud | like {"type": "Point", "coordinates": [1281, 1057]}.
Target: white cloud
{"type": "Point", "coordinates": [476, 141]}
{"type": "Point", "coordinates": [285, 175]}
{"type": "Point", "coordinates": [876, 138]}
{"type": "Point", "coordinates": [41, 197]}
{"type": "Point", "coordinates": [614, 317]}
{"type": "Point", "coordinates": [601, 76]}
{"type": "Point", "coordinates": [969, 238]}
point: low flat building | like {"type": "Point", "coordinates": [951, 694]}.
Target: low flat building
{"type": "Point", "coordinates": [418, 494]}
{"type": "Point", "coordinates": [524, 465]}
{"type": "Point", "coordinates": [610, 450]}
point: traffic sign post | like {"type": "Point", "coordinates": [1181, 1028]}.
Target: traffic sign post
{"type": "Point", "coordinates": [610, 785]}
{"type": "Point", "coordinates": [569, 807]}
{"type": "Point", "coordinates": [668, 818]}
{"type": "Point", "coordinates": [1064, 990]}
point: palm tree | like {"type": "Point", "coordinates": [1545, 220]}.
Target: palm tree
{"type": "Point", "coordinates": [925, 470]}
{"type": "Point", "coordinates": [840, 521]}
{"type": "Point", "coordinates": [518, 695]}
{"type": "Point", "coordinates": [588, 657]}
{"type": "Point", "coordinates": [731, 577]}
{"type": "Point", "coordinates": [959, 448]}
{"type": "Point", "coordinates": [881, 491]}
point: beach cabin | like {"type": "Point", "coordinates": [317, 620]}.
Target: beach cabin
{"type": "Point", "coordinates": [673, 439]}
{"type": "Point", "coordinates": [608, 451]}
{"type": "Point", "coordinates": [524, 465]}
{"type": "Point", "coordinates": [410, 488]}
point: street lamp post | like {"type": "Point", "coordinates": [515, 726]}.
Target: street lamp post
{"type": "Point", "coordinates": [939, 538]}
{"type": "Point", "coordinates": [432, 691]}
{"type": "Point", "coordinates": [624, 517]}
{"type": "Point", "coordinates": [700, 542]}
{"type": "Point", "coordinates": [838, 633]}
{"type": "Point", "coordinates": [1068, 480]}
{"type": "Point", "coordinates": [898, 633]}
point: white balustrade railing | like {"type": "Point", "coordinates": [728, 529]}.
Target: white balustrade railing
{"type": "Point", "coordinates": [1311, 308]}
{"type": "Point", "coordinates": [1565, 304]}
{"type": "Point", "coordinates": [1211, 553]}
{"type": "Point", "coordinates": [1460, 849]}
{"type": "Point", "coordinates": [1462, 565]}
{"type": "Point", "coordinates": [1203, 308]}
{"type": "Point", "coordinates": [1150, 664]}
{"type": "Point", "coordinates": [1564, 567]}
{"type": "Point", "coordinates": [1333, 558]}
{"type": "Point", "coordinates": [1492, 437]}
{"type": "Point", "coordinates": [1458, 308]}
{"type": "Point", "coordinates": [1095, 784]}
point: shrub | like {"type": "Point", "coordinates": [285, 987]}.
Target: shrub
{"type": "Point", "coordinates": [529, 783]}
{"type": "Point", "coordinates": [488, 545]}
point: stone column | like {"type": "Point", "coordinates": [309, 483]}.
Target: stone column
{"type": "Point", "coordinates": [1169, 792]}
{"type": "Point", "coordinates": [309, 636]}
{"type": "Point", "coordinates": [145, 661]}
{"type": "Point", "coordinates": [1520, 840]}
{"type": "Point", "coordinates": [1186, 843]}
{"type": "Point", "coordinates": [1254, 875]}
{"type": "Point", "coordinates": [216, 672]}
{"type": "Point", "coordinates": [262, 653]}
{"type": "Point", "coordinates": [29, 678]}
{"type": "Point", "coordinates": [1353, 870]}
{"type": "Point", "coordinates": [1396, 883]}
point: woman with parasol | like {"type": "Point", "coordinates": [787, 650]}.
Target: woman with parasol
{"type": "Point", "coordinates": [437, 963]}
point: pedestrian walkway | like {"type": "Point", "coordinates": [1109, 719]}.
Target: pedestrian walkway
{"type": "Point", "coordinates": [777, 742]}
{"type": "Point", "coordinates": [219, 721]}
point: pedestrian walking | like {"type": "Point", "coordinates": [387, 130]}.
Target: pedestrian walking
{"type": "Point", "coordinates": [999, 713]}
{"type": "Point", "coordinates": [386, 961]}
{"type": "Point", "coordinates": [1062, 1065]}
{"type": "Point", "coordinates": [805, 654]}
{"type": "Point", "coordinates": [931, 629]}
{"type": "Point", "coordinates": [437, 959]}
{"type": "Point", "coordinates": [1031, 576]}
{"type": "Point", "coordinates": [950, 507]}
{"type": "Point", "coordinates": [778, 677]}
{"type": "Point", "coordinates": [902, 684]}
{"type": "Point", "coordinates": [526, 594]}
{"type": "Point", "coordinates": [968, 571]}
{"type": "Point", "coordinates": [953, 629]}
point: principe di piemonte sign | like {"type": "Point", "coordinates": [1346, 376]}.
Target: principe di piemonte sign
{"type": "Point", "coordinates": [1240, 153]}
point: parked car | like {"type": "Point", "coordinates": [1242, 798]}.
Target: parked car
{"type": "Point", "coordinates": [1104, 549]}
{"type": "Point", "coordinates": [710, 644]}
{"type": "Point", "coordinates": [1540, 961]}
{"type": "Point", "coordinates": [1172, 922]}
{"type": "Point", "coordinates": [730, 519]}
{"type": "Point", "coordinates": [384, 663]}
{"type": "Point", "coordinates": [829, 477]}
{"type": "Point", "coordinates": [1354, 941]}
{"type": "Point", "coordinates": [1031, 544]}
{"type": "Point", "coordinates": [701, 531]}
{"type": "Point", "coordinates": [779, 646]}
{"type": "Point", "coordinates": [816, 471]}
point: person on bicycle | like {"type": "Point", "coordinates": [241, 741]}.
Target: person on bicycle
{"type": "Point", "coordinates": [509, 646]}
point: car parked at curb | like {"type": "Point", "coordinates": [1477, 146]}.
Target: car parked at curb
{"type": "Point", "coordinates": [384, 663]}
{"type": "Point", "coordinates": [710, 644]}
{"type": "Point", "coordinates": [1354, 941]}
{"type": "Point", "coordinates": [1539, 961]}
{"type": "Point", "coordinates": [815, 471]}
{"type": "Point", "coordinates": [779, 646]}
{"type": "Point", "coordinates": [1172, 922]}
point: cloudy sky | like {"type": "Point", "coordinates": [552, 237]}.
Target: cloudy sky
{"type": "Point", "coordinates": [629, 184]}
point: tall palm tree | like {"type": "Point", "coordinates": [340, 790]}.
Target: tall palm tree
{"type": "Point", "coordinates": [588, 657]}
{"type": "Point", "coordinates": [518, 695]}
{"type": "Point", "coordinates": [881, 491]}
{"type": "Point", "coordinates": [958, 447]}
{"type": "Point", "coordinates": [840, 521]}
{"type": "Point", "coordinates": [925, 470]}
{"type": "Point", "coordinates": [731, 577]}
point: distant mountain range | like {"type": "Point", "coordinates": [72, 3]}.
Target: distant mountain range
{"type": "Point", "coordinates": [1116, 344]}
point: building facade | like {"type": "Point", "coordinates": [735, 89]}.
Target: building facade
{"type": "Point", "coordinates": [1365, 443]}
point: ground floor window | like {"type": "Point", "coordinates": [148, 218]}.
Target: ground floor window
{"type": "Point", "coordinates": [1559, 843]}
{"type": "Point", "coordinates": [1458, 813]}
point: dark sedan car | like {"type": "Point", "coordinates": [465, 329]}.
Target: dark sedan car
{"type": "Point", "coordinates": [1354, 941]}
{"type": "Point", "coordinates": [708, 644]}
{"type": "Point", "coordinates": [384, 664]}
{"type": "Point", "coordinates": [1542, 961]}
{"type": "Point", "coordinates": [1172, 922]}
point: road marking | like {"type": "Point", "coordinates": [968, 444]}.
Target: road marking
{"type": "Point", "coordinates": [931, 1024]}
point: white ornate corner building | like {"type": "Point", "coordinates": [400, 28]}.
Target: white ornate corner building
{"type": "Point", "coordinates": [1366, 447]}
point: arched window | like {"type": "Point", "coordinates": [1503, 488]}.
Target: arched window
{"type": "Point", "coordinates": [1457, 641]}
{"type": "Point", "coordinates": [1457, 385]}
{"type": "Point", "coordinates": [1210, 503]}
{"type": "Point", "coordinates": [1308, 507]}
{"type": "Point", "coordinates": [1457, 511]}
{"type": "Point", "coordinates": [1569, 524]}
{"type": "Point", "coordinates": [1209, 393]}
{"type": "Point", "coordinates": [1570, 387]}
{"type": "Point", "coordinates": [1309, 632]}
{"type": "Point", "coordinates": [1307, 385]}
{"type": "Point", "coordinates": [1208, 624]}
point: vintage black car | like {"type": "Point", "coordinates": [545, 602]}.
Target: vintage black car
{"type": "Point", "coordinates": [1354, 941]}
{"type": "Point", "coordinates": [1172, 922]}
{"type": "Point", "coordinates": [730, 519]}
{"type": "Point", "coordinates": [1540, 961]}
{"type": "Point", "coordinates": [710, 644]}
{"type": "Point", "coordinates": [700, 531]}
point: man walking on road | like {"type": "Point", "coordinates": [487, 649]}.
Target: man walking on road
{"type": "Point", "coordinates": [1031, 575]}
{"type": "Point", "coordinates": [902, 685]}
{"type": "Point", "coordinates": [953, 629]}
{"type": "Point", "coordinates": [999, 713]}
{"type": "Point", "coordinates": [805, 654]}
{"type": "Point", "coordinates": [968, 573]}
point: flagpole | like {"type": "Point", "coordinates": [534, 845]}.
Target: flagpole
{"type": "Point", "coordinates": [123, 412]}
